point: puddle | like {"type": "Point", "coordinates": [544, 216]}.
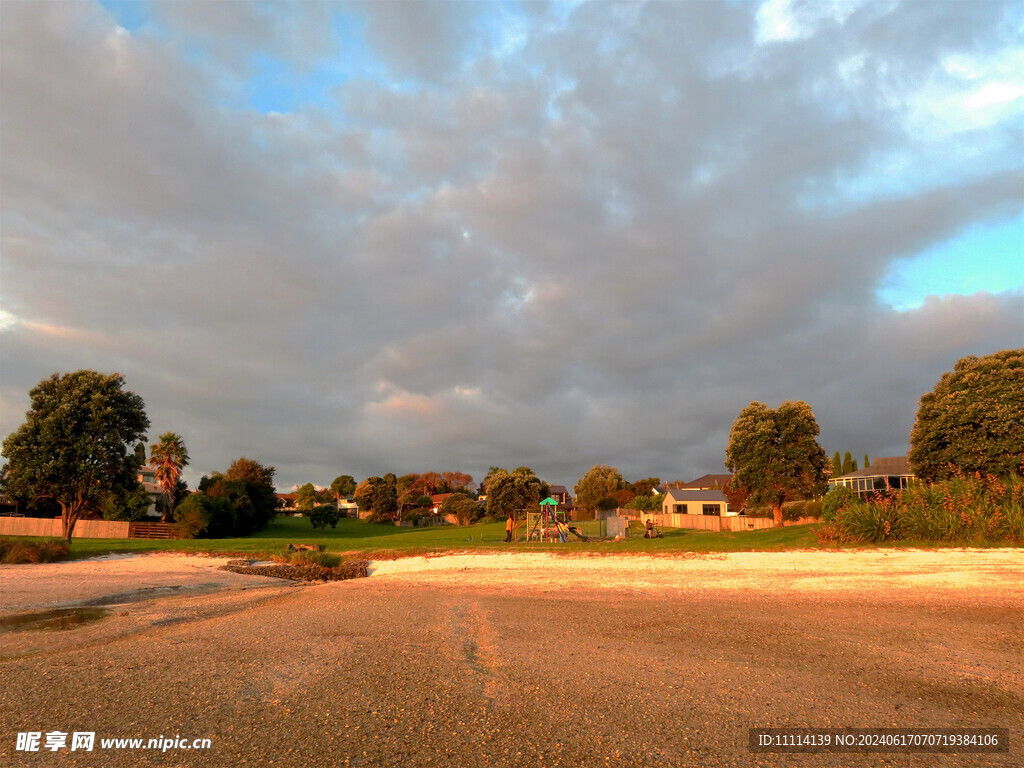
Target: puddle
{"type": "Point", "coordinates": [57, 620]}
{"type": "Point", "coordinates": [150, 593]}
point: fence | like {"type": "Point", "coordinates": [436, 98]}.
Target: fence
{"type": "Point", "coordinates": [86, 529]}
{"type": "Point", "coordinates": [710, 522]}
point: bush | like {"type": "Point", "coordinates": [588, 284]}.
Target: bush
{"type": "Point", "coordinates": [14, 552]}
{"type": "Point", "coordinates": [466, 510]}
{"type": "Point", "coordinates": [963, 509]}
{"type": "Point", "coordinates": [308, 557]}
{"type": "Point", "coordinates": [190, 517]}
{"type": "Point", "coordinates": [836, 500]}
{"type": "Point", "coordinates": [213, 517]}
{"type": "Point", "coordinates": [323, 515]}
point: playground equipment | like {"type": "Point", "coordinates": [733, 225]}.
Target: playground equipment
{"type": "Point", "coordinates": [548, 524]}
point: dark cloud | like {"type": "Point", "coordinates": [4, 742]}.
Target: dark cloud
{"type": "Point", "coordinates": [589, 239]}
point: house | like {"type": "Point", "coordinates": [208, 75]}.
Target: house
{"type": "Point", "coordinates": [436, 500]}
{"type": "Point", "coordinates": [695, 502]}
{"type": "Point", "coordinates": [286, 503]}
{"type": "Point", "coordinates": [560, 494]}
{"type": "Point", "coordinates": [147, 479]}
{"type": "Point", "coordinates": [886, 472]}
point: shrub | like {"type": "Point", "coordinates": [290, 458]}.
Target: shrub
{"type": "Point", "coordinates": [190, 517]}
{"type": "Point", "coordinates": [308, 557]}
{"type": "Point", "coordinates": [837, 499]}
{"type": "Point", "coordinates": [962, 509]}
{"type": "Point", "coordinates": [25, 552]}
{"type": "Point", "coordinates": [323, 515]}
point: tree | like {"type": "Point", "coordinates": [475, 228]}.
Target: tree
{"type": "Point", "coordinates": [971, 422]}
{"type": "Point", "coordinates": [77, 443]}
{"type": "Point", "coordinates": [510, 493]}
{"type": "Point", "coordinates": [465, 510]}
{"type": "Point", "coordinates": [259, 488]}
{"type": "Point", "coordinates": [867, 463]}
{"type": "Point", "coordinates": [457, 481]}
{"type": "Point", "coordinates": [343, 487]}
{"type": "Point", "coordinates": [323, 515]}
{"type": "Point", "coordinates": [837, 465]}
{"type": "Point", "coordinates": [306, 497]}
{"type": "Point", "coordinates": [599, 483]}
{"type": "Point", "coordinates": [646, 487]}
{"type": "Point", "coordinates": [775, 456]}
{"type": "Point", "coordinates": [848, 465]}
{"type": "Point", "coordinates": [169, 456]}
{"type": "Point", "coordinates": [645, 503]}
{"type": "Point", "coordinates": [130, 505]}
{"type": "Point", "coordinates": [378, 495]}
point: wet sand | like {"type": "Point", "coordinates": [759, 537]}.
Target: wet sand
{"type": "Point", "coordinates": [536, 660]}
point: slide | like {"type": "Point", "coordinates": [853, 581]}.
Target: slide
{"type": "Point", "coordinates": [575, 532]}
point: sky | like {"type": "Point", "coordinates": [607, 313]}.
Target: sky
{"type": "Point", "coordinates": [359, 238]}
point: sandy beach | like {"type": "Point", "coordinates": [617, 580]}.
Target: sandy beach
{"type": "Point", "coordinates": [517, 659]}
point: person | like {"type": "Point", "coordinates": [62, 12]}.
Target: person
{"type": "Point", "coordinates": [650, 529]}
{"type": "Point", "coordinates": [508, 529]}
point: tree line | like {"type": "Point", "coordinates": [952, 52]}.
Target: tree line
{"type": "Point", "coordinates": [81, 449]}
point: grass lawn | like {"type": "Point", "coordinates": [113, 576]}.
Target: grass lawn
{"type": "Point", "coordinates": [382, 541]}
{"type": "Point", "coordinates": [387, 541]}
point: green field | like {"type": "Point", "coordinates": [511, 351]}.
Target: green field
{"type": "Point", "coordinates": [355, 537]}
{"type": "Point", "coordinates": [382, 541]}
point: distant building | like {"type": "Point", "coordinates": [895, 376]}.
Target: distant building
{"type": "Point", "coordinates": [886, 472]}
{"type": "Point", "coordinates": [676, 501]}
{"type": "Point", "coordinates": [707, 483]}
{"type": "Point", "coordinates": [147, 479]}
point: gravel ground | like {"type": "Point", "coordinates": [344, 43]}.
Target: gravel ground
{"type": "Point", "coordinates": [535, 660]}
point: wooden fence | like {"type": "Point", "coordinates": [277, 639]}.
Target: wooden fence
{"type": "Point", "coordinates": [86, 529]}
{"type": "Point", "coordinates": [153, 531]}
{"type": "Point", "coordinates": [710, 522]}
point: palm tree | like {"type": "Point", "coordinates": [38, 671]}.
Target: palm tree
{"type": "Point", "coordinates": [169, 457]}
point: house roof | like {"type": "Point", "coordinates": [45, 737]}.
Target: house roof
{"type": "Point", "coordinates": [288, 496]}
{"type": "Point", "coordinates": [559, 489]}
{"type": "Point", "coordinates": [884, 466]}
{"type": "Point", "coordinates": [694, 494]}
{"type": "Point", "coordinates": [709, 481]}
{"type": "Point", "coordinates": [438, 498]}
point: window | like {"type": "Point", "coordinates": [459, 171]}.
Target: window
{"type": "Point", "coordinates": [680, 509]}
{"type": "Point", "coordinates": [711, 509]}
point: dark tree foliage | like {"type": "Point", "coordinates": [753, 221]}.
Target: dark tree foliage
{"type": "Point", "coordinates": [248, 488]}
{"type": "Point", "coordinates": [77, 444]}
{"type": "Point", "coordinates": [848, 464]}
{"type": "Point", "coordinates": [323, 515]}
{"type": "Point", "coordinates": [645, 487]}
{"type": "Point", "coordinates": [599, 485]}
{"type": "Point", "coordinates": [775, 456]}
{"type": "Point", "coordinates": [510, 494]}
{"type": "Point", "coordinates": [465, 509]}
{"type": "Point", "coordinates": [973, 421]}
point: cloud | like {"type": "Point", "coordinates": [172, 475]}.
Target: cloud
{"type": "Point", "coordinates": [558, 238]}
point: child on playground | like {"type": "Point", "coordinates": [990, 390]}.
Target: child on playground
{"type": "Point", "coordinates": [508, 529]}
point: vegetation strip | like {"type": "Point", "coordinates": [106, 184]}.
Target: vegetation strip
{"type": "Point", "coordinates": [354, 569]}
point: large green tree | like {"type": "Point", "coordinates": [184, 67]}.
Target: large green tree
{"type": "Point", "coordinates": [509, 494]}
{"type": "Point", "coordinates": [600, 482]}
{"type": "Point", "coordinates": [774, 454]}
{"type": "Point", "coordinates": [77, 444]}
{"type": "Point", "coordinates": [973, 421]}
{"type": "Point", "coordinates": [343, 487]}
{"type": "Point", "coordinates": [169, 456]}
